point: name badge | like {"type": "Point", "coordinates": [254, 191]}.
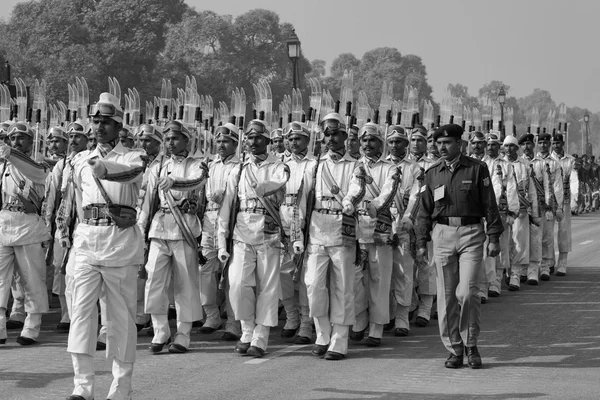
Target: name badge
{"type": "Point", "coordinates": [438, 193]}
{"type": "Point", "coordinates": [467, 181]}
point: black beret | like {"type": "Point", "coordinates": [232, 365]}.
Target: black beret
{"type": "Point", "coordinates": [558, 137]}
{"type": "Point", "coordinates": [544, 136]}
{"type": "Point", "coordinates": [450, 130]}
{"type": "Point", "coordinates": [526, 138]}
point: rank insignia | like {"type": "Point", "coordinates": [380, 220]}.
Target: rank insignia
{"type": "Point", "coordinates": [335, 189]}
{"type": "Point", "coordinates": [368, 179]}
{"type": "Point", "coordinates": [486, 182]}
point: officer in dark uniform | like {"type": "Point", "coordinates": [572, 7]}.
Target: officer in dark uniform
{"type": "Point", "coordinates": [456, 196]}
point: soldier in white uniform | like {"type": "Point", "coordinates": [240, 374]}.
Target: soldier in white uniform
{"type": "Point", "coordinates": [258, 240]}
{"type": "Point", "coordinates": [22, 231]}
{"type": "Point", "coordinates": [107, 247]}
{"type": "Point", "coordinates": [339, 187]}
{"type": "Point", "coordinates": [570, 193]}
{"type": "Point", "coordinates": [173, 231]}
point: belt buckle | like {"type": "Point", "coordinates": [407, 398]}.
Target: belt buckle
{"type": "Point", "coordinates": [95, 213]}
{"type": "Point", "coordinates": [455, 221]}
{"type": "Point", "coordinates": [327, 204]}
{"type": "Point", "coordinates": [251, 203]}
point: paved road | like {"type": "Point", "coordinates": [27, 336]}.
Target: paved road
{"type": "Point", "coordinates": [539, 343]}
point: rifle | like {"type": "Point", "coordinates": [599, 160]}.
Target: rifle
{"type": "Point", "coordinates": [154, 207]}
{"type": "Point", "coordinates": [57, 199]}
{"type": "Point", "coordinates": [73, 219]}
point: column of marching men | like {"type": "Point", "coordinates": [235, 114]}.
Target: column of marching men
{"type": "Point", "coordinates": [325, 227]}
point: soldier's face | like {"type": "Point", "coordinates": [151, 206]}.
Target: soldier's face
{"type": "Point", "coordinates": [57, 146]}
{"type": "Point", "coordinates": [4, 139]}
{"type": "Point", "coordinates": [257, 143]}
{"type": "Point", "coordinates": [418, 145]}
{"type": "Point", "coordinates": [493, 149]}
{"type": "Point", "coordinates": [334, 140]}
{"type": "Point", "coordinates": [371, 146]}
{"type": "Point", "coordinates": [106, 129]}
{"type": "Point", "coordinates": [432, 146]}
{"type": "Point", "coordinates": [176, 142]}
{"type": "Point", "coordinates": [558, 146]}
{"type": "Point", "coordinates": [77, 142]}
{"type": "Point", "coordinates": [92, 141]}
{"type": "Point", "coordinates": [298, 143]}
{"type": "Point", "coordinates": [397, 146]}
{"type": "Point", "coordinates": [512, 151]}
{"type": "Point", "coordinates": [125, 141]}
{"type": "Point", "coordinates": [478, 147]}
{"type": "Point", "coordinates": [544, 146]}
{"type": "Point", "coordinates": [449, 148]}
{"type": "Point", "coordinates": [278, 145]}
{"type": "Point", "coordinates": [353, 144]}
{"type": "Point", "coordinates": [21, 142]}
{"type": "Point", "coordinates": [151, 146]}
{"type": "Point", "coordinates": [225, 146]}
{"type": "Point", "coordinates": [528, 148]}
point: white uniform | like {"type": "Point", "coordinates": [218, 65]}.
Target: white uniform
{"type": "Point", "coordinates": [255, 266]}
{"type": "Point", "coordinates": [169, 255]}
{"type": "Point", "coordinates": [570, 193]}
{"type": "Point", "coordinates": [105, 260]}
{"type": "Point", "coordinates": [330, 269]}
{"type": "Point", "coordinates": [21, 235]}
{"type": "Point", "coordinates": [373, 279]}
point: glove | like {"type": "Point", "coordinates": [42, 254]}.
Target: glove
{"type": "Point", "coordinates": [223, 256]}
{"type": "Point", "coordinates": [98, 167]}
{"type": "Point", "coordinates": [217, 197]}
{"type": "Point", "coordinates": [298, 247]}
{"type": "Point", "coordinates": [4, 152]}
{"type": "Point", "coordinates": [65, 243]}
{"type": "Point", "coordinates": [406, 224]}
{"type": "Point", "coordinates": [165, 183]}
{"type": "Point", "coordinates": [348, 209]}
{"type": "Point", "coordinates": [372, 210]}
{"type": "Point", "coordinates": [493, 249]}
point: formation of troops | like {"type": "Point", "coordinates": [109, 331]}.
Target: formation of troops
{"type": "Point", "coordinates": [352, 224]}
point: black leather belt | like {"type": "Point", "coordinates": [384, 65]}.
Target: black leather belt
{"type": "Point", "coordinates": [254, 210]}
{"type": "Point", "coordinates": [328, 211]}
{"type": "Point", "coordinates": [458, 221]}
{"type": "Point", "coordinates": [101, 211]}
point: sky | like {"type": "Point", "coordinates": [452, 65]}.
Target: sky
{"type": "Point", "coordinates": [527, 44]}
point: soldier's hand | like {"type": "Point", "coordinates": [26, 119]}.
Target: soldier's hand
{"type": "Point", "coordinates": [559, 215]}
{"type": "Point", "coordinates": [536, 221]}
{"type": "Point", "coordinates": [298, 247]}
{"type": "Point", "coordinates": [46, 244]}
{"type": "Point", "coordinates": [510, 220]}
{"type": "Point", "coordinates": [422, 254]}
{"type": "Point", "coordinates": [65, 243]}
{"type": "Point", "coordinates": [549, 216]}
{"type": "Point", "coordinates": [217, 197]}
{"type": "Point", "coordinates": [372, 210]}
{"type": "Point", "coordinates": [493, 249]}
{"type": "Point", "coordinates": [223, 256]}
{"type": "Point", "coordinates": [4, 151]}
{"type": "Point", "coordinates": [393, 240]}
{"type": "Point", "coordinates": [406, 224]}
{"type": "Point", "coordinates": [165, 183]}
{"type": "Point", "coordinates": [348, 209]}
{"type": "Point", "coordinates": [98, 167]}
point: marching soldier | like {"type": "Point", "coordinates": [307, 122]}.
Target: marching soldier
{"type": "Point", "coordinates": [375, 236]}
{"type": "Point", "coordinates": [258, 237]}
{"type": "Point", "coordinates": [278, 144]}
{"type": "Point", "coordinates": [403, 210]}
{"type": "Point", "coordinates": [353, 143]}
{"type": "Point", "coordinates": [173, 248]}
{"type": "Point", "coordinates": [507, 199]}
{"type": "Point", "coordinates": [330, 271]}
{"type": "Point", "coordinates": [570, 194]}
{"type": "Point", "coordinates": [4, 132]}
{"type": "Point", "coordinates": [223, 165]}
{"type": "Point", "coordinates": [295, 301]}
{"type": "Point", "coordinates": [478, 144]}
{"type": "Point", "coordinates": [528, 209]}
{"type": "Point", "coordinates": [554, 203]}
{"type": "Point", "coordinates": [432, 150]}
{"type": "Point", "coordinates": [107, 246]}
{"type": "Point", "coordinates": [126, 137]}
{"type": "Point", "coordinates": [457, 194]}
{"type": "Point", "coordinates": [22, 231]}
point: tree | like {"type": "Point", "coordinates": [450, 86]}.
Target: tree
{"type": "Point", "coordinates": [490, 90]}
{"type": "Point", "coordinates": [462, 92]}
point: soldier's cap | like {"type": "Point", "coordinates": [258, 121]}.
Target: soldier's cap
{"type": "Point", "coordinates": [107, 106]}
{"type": "Point", "coordinates": [258, 126]}
{"type": "Point", "coordinates": [228, 130]}
{"type": "Point", "coordinates": [333, 122]}
{"type": "Point", "coordinates": [494, 138]}
{"type": "Point", "coordinates": [477, 137]}
{"type": "Point", "coordinates": [77, 128]}
{"type": "Point", "coordinates": [277, 133]}
{"type": "Point", "coordinates": [449, 130]}
{"type": "Point", "coordinates": [353, 131]}
{"type": "Point", "coordinates": [558, 138]}
{"type": "Point", "coordinates": [20, 127]}
{"type": "Point", "coordinates": [370, 129]}
{"type": "Point", "coordinates": [151, 131]}
{"type": "Point", "coordinates": [526, 138]}
{"type": "Point", "coordinates": [128, 130]}
{"type": "Point", "coordinates": [544, 136]}
{"type": "Point", "coordinates": [397, 132]}
{"type": "Point", "coordinates": [4, 126]}
{"type": "Point", "coordinates": [419, 131]}
{"type": "Point", "coordinates": [89, 129]}
{"type": "Point", "coordinates": [430, 134]}
{"type": "Point", "coordinates": [176, 127]}
{"type": "Point", "coordinates": [58, 132]}
{"type": "Point", "coordinates": [296, 128]}
{"type": "Point", "coordinates": [510, 139]}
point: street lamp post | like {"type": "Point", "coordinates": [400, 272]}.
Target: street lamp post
{"type": "Point", "coordinates": [293, 46]}
{"type": "Point", "coordinates": [502, 100]}
{"type": "Point", "coordinates": [586, 119]}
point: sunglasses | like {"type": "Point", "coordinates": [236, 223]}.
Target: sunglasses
{"type": "Point", "coordinates": [105, 110]}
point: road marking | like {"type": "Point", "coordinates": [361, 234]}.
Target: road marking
{"type": "Point", "coordinates": [548, 293]}
{"type": "Point", "coordinates": [275, 354]}
{"type": "Point", "coordinates": [563, 302]}
{"type": "Point", "coordinates": [587, 242]}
